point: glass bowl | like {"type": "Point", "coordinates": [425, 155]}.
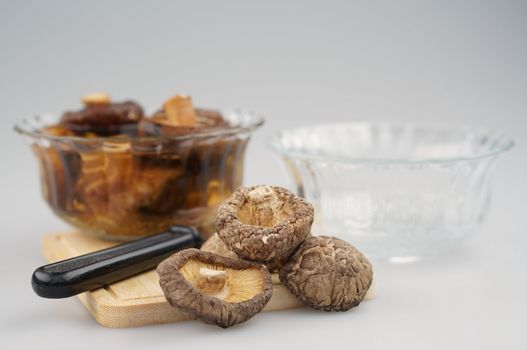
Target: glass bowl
{"type": "Point", "coordinates": [399, 192]}
{"type": "Point", "coordinates": [121, 187]}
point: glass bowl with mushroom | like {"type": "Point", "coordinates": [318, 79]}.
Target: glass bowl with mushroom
{"type": "Point", "coordinates": [113, 172]}
{"type": "Point", "coordinates": [399, 192]}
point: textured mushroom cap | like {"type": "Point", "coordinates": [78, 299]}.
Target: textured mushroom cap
{"type": "Point", "coordinates": [214, 289]}
{"type": "Point", "coordinates": [264, 223]}
{"type": "Point", "coordinates": [327, 274]}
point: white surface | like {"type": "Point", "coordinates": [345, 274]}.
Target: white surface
{"type": "Point", "coordinates": [456, 62]}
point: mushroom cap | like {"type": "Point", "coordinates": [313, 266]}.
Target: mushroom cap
{"type": "Point", "coordinates": [104, 119]}
{"type": "Point", "coordinates": [264, 223]}
{"type": "Point", "coordinates": [327, 274]}
{"type": "Point", "coordinates": [214, 289]}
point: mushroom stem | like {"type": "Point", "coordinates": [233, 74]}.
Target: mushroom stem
{"type": "Point", "coordinates": [179, 111]}
{"type": "Point", "coordinates": [98, 98]}
{"type": "Point", "coordinates": [211, 281]}
{"type": "Point", "coordinates": [265, 206]}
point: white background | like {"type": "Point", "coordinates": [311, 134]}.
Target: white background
{"type": "Point", "coordinates": [457, 62]}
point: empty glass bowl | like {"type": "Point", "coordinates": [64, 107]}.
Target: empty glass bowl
{"type": "Point", "coordinates": [396, 191]}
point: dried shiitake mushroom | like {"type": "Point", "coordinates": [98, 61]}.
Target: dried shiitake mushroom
{"type": "Point", "coordinates": [214, 289]}
{"type": "Point", "coordinates": [264, 223]}
{"type": "Point", "coordinates": [327, 274]}
{"type": "Point", "coordinates": [215, 245]}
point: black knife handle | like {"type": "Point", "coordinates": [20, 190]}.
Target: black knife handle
{"type": "Point", "coordinates": [94, 270]}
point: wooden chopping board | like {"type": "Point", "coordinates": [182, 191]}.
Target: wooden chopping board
{"type": "Point", "coordinates": [139, 300]}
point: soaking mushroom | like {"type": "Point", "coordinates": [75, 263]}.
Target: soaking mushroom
{"type": "Point", "coordinates": [102, 117]}
{"type": "Point", "coordinates": [264, 223]}
{"type": "Point", "coordinates": [179, 117]}
{"type": "Point", "coordinates": [214, 289]}
{"type": "Point", "coordinates": [327, 274]}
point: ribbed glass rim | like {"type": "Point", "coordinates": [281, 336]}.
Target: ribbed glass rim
{"type": "Point", "coordinates": [247, 121]}
{"type": "Point", "coordinates": [505, 143]}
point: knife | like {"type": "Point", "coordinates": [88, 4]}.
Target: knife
{"type": "Point", "coordinates": [94, 270]}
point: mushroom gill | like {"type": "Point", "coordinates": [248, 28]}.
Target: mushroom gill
{"type": "Point", "coordinates": [222, 282]}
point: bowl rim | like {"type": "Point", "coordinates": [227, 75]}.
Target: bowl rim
{"type": "Point", "coordinates": [255, 120]}
{"type": "Point", "coordinates": [506, 143]}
